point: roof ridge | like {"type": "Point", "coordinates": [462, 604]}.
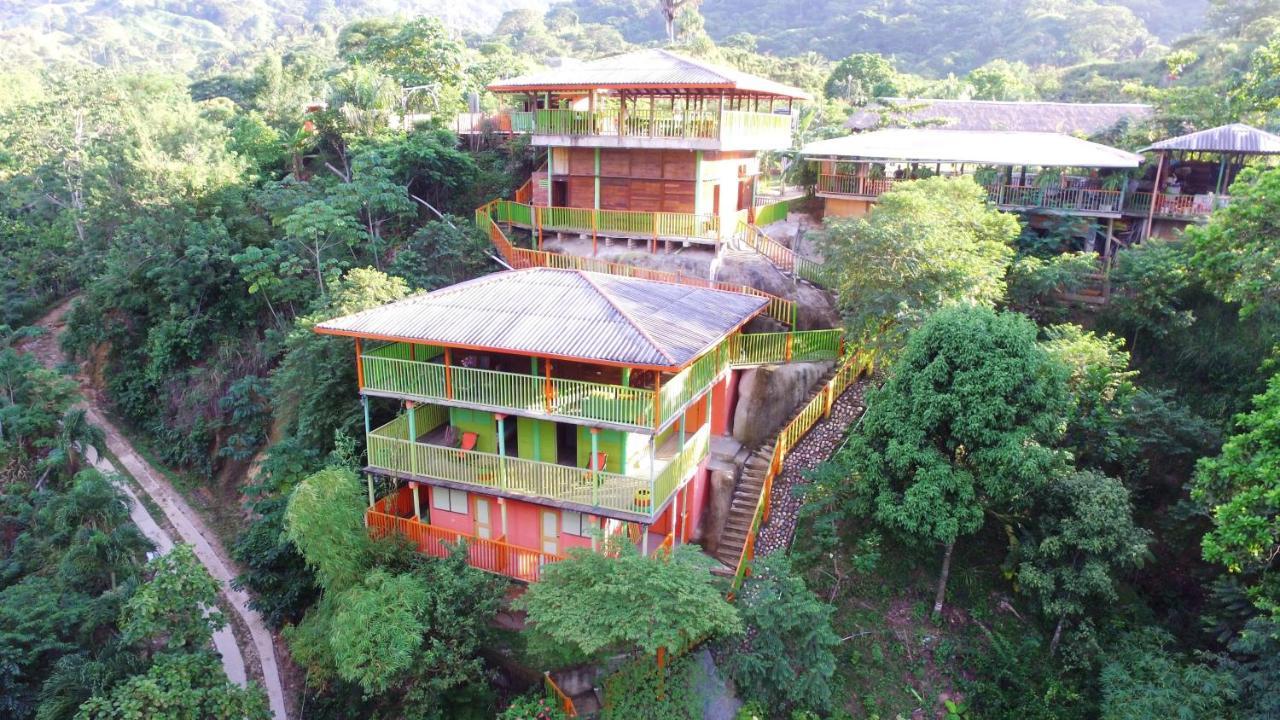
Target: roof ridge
{"type": "Point", "coordinates": [627, 316]}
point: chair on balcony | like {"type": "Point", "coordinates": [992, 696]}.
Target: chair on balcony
{"type": "Point", "coordinates": [597, 463]}
{"type": "Point", "coordinates": [468, 443]}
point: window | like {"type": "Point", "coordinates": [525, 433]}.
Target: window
{"type": "Point", "coordinates": [574, 523]}
{"type": "Point", "coordinates": [449, 500]}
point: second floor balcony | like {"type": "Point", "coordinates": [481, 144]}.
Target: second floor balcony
{"type": "Point", "coordinates": [419, 444]}
{"type": "Point", "coordinates": [639, 128]}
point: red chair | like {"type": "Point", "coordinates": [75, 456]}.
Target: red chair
{"type": "Point", "coordinates": [468, 443]}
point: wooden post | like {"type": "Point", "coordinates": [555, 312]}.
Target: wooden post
{"type": "Point", "coordinates": [653, 101]}
{"type": "Point", "coordinates": [364, 403]}
{"type": "Point", "coordinates": [502, 450]}
{"type": "Point", "coordinates": [547, 390]}
{"type": "Point", "coordinates": [359, 365]}
{"type": "Point", "coordinates": [417, 506]}
{"type": "Point", "coordinates": [369, 480]}
{"type": "Point", "coordinates": [448, 373]}
{"type": "Point", "coordinates": [1155, 198]}
{"type": "Point", "coordinates": [595, 224]}
{"type": "Point", "coordinates": [413, 437]}
{"type": "Point", "coordinates": [790, 341]}
{"type": "Point", "coordinates": [594, 464]}
{"type": "Point", "coordinates": [654, 248]}
{"type": "Point", "coordinates": [657, 399]}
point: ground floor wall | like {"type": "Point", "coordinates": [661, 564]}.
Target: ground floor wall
{"type": "Point", "coordinates": [845, 207]}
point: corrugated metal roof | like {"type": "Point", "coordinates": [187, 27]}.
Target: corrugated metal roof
{"type": "Point", "coordinates": [562, 313]}
{"type": "Point", "coordinates": [650, 68]}
{"type": "Point", "coordinates": [965, 146]}
{"type": "Point", "coordinates": [1024, 116]}
{"type": "Point", "coordinates": [1233, 138]}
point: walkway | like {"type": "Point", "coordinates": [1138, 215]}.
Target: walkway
{"type": "Point", "coordinates": [189, 526]}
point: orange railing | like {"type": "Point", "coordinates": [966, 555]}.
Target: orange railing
{"type": "Point", "coordinates": [524, 193]}
{"type": "Point", "coordinates": [1178, 206]}
{"type": "Point", "coordinates": [558, 696]}
{"type": "Point", "coordinates": [778, 308]}
{"type": "Point", "coordinates": [494, 556]}
{"type": "Point", "coordinates": [818, 407]}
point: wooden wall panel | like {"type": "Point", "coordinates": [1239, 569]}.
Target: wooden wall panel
{"type": "Point", "coordinates": [615, 194]}
{"type": "Point", "coordinates": [677, 196]}
{"type": "Point", "coordinates": [646, 164]}
{"type": "Point", "coordinates": [679, 165]}
{"type": "Point", "coordinates": [615, 163]}
{"type": "Point", "coordinates": [582, 191]}
{"type": "Point", "coordinates": [541, 189]}
{"type": "Point", "coordinates": [582, 161]}
{"type": "Point", "coordinates": [646, 195]}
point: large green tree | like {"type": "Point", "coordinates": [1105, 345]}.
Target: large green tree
{"type": "Point", "coordinates": [965, 426]}
{"type": "Point", "coordinates": [925, 245]}
{"type": "Point", "coordinates": [593, 601]}
{"type": "Point", "coordinates": [1240, 489]}
{"type": "Point", "coordinates": [1235, 254]}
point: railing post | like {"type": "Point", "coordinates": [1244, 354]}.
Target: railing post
{"type": "Point", "coordinates": [413, 437]}
{"type": "Point", "coordinates": [790, 342]}
{"type": "Point", "coordinates": [654, 248]}
{"type": "Point", "coordinates": [502, 453]}
{"type": "Point", "coordinates": [595, 467]}
{"type": "Point", "coordinates": [657, 399]}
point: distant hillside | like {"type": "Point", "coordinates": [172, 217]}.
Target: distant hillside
{"type": "Point", "coordinates": [928, 36]}
{"type": "Point", "coordinates": [182, 34]}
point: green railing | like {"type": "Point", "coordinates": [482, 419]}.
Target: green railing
{"type": "Point", "coordinates": [390, 449]}
{"type": "Point", "coordinates": [800, 346]}
{"type": "Point", "coordinates": [773, 212]}
{"type": "Point", "coordinates": [729, 126]}
{"type": "Point", "coordinates": [533, 394]}
{"type": "Point", "coordinates": [692, 382]}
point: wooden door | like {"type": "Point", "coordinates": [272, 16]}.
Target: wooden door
{"type": "Point", "coordinates": [484, 518]}
{"type": "Point", "coordinates": [550, 532]}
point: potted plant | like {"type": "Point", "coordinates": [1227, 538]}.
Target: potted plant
{"type": "Point", "coordinates": [1114, 182]}
{"type": "Point", "coordinates": [986, 176]}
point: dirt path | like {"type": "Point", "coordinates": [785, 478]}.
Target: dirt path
{"type": "Point", "coordinates": [187, 524]}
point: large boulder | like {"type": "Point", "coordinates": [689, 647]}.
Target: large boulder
{"type": "Point", "coordinates": [719, 499]}
{"type": "Point", "coordinates": [769, 395]}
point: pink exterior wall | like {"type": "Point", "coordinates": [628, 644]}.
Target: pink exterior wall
{"type": "Point", "coordinates": [724, 395]}
{"type": "Point", "coordinates": [697, 497]}
{"type": "Point", "coordinates": [458, 522]}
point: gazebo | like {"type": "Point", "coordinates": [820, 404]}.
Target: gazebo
{"type": "Point", "coordinates": [1194, 171]}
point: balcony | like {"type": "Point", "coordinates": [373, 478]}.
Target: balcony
{"type": "Point", "coordinates": [692, 129]}
{"type": "Point", "coordinates": [1052, 199]}
{"type": "Point", "coordinates": [414, 372]}
{"type": "Point", "coordinates": [636, 494]}
{"type": "Point", "coordinates": [393, 515]}
{"type": "Point", "coordinates": [1068, 200]}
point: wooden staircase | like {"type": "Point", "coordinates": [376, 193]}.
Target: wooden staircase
{"type": "Point", "coordinates": [746, 493]}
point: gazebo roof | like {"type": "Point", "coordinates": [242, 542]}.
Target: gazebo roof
{"type": "Point", "coordinates": [960, 146]}
{"type": "Point", "coordinates": [1233, 138]}
{"type": "Point", "coordinates": [570, 314]}
{"type": "Point", "coordinates": [647, 70]}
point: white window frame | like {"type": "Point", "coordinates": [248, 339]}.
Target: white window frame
{"type": "Point", "coordinates": [449, 500]}
{"type": "Point", "coordinates": [570, 518]}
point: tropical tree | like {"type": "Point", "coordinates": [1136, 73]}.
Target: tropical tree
{"type": "Point", "coordinates": [1081, 536]}
{"type": "Point", "coordinates": [1143, 678]}
{"type": "Point", "coordinates": [184, 685]}
{"type": "Point", "coordinates": [1234, 254]}
{"type": "Point", "coordinates": [1240, 489]}
{"type": "Point", "coordinates": [325, 521]}
{"type": "Point", "coordinates": [925, 245]}
{"type": "Point", "coordinates": [965, 426]}
{"type": "Point", "coordinates": [176, 609]}
{"type": "Point", "coordinates": [592, 601]}
{"type": "Point", "coordinates": [788, 659]}
{"type": "Point", "coordinates": [861, 78]}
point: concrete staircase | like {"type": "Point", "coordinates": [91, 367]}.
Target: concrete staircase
{"type": "Point", "coordinates": [746, 493]}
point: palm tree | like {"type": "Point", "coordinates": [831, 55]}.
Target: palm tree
{"type": "Point", "coordinates": [66, 448]}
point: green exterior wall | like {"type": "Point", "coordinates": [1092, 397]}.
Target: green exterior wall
{"type": "Point", "coordinates": [611, 442]}
{"type": "Point", "coordinates": [479, 422]}
{"type": "Point", "coordinates": [535, 439]}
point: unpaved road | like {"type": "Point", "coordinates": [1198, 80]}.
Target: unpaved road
{"type": "Point", "coordinates": [189, 526]}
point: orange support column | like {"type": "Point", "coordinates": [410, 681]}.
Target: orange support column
{"type": "Point", "coordinates": [657, 398]}
{"type": "Point", "coordinates": [448, 373]}
{"type": "Point", "coordinates": [359, 365]}
{"type": "Point", "coordinates": [547, 390]}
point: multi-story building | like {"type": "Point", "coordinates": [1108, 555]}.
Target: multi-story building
{"type": "Point", "coordinates": [533, 411]}
{"type": "Point", "coordinates": [645, 145]}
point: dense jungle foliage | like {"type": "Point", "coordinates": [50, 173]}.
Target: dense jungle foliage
{"type": "Point", "coordinates": [1042, 514]}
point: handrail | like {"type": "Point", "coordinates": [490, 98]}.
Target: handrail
{"type": "Point", "coordinates": [819, 406]}
{"type": "Point", "coordinates": [778, 308]}
{"type": "Point", "coordinates": [390, 448]}
{"type": "Point", "coordinates": [558, 696]}
{"type": "Point", "coordinates": [782, 257]}
{"type": "Point", "coordinates": [724, 125]}
{"type": "Point", "coordinates": [798, 346]}
{"type": "Point", "coordinates": [495, 556]}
